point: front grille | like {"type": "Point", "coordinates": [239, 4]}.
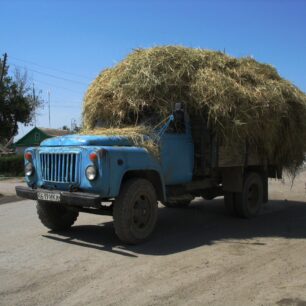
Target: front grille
{"type": "Point", "coordinates": [59, 167]}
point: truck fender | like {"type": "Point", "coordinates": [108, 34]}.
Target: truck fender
{"type": "Point", "coordinates": [152, 176]}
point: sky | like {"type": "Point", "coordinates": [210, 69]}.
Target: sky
{"type": "Point", "coordinates": [64, 44]}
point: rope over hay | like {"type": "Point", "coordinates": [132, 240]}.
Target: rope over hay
{"type": "Point", "coordinates": [239, 98]}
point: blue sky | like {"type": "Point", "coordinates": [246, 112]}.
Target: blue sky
{"type": "Point", "coordinates": [65, 44]}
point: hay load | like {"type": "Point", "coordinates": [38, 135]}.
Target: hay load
{"type": "Point", "coordinates": [240, 98]}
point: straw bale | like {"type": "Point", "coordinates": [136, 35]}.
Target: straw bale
{"type": "Point", "coordinates": [239, 98]}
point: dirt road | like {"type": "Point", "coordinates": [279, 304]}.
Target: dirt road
{"type": "Point", "coordinates": [197, 256]}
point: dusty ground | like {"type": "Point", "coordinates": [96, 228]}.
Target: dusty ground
{"type": "Point", "coordinates": [197, 256]}
{"type": "Point", "coordinates": [7, 189]}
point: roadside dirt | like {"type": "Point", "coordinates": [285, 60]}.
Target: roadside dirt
{"type": "Point", "coordinates": [197, 256]}
{"type": "Point", "coordinates": [7, 190]}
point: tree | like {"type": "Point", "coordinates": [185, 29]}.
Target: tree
{"type": "Point", "coordinates": [74, 128]}
{"type": "Point", "coordinates": [18, 103]}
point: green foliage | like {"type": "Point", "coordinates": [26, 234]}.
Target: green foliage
{"type": "Point", "coordinates": [18, 103]}
{"type": "Point", "coordinates": [12, 165]}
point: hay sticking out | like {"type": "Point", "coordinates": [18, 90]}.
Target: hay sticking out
{"type": "Point", "coordinates": [141, 136]}
{"type": "Point", "coordinates": [241, 99]}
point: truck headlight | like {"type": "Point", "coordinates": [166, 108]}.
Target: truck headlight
{"type": "Point", "coordinates": [29, 169]}
{"type": "Point", "coordinates": [91, 172]}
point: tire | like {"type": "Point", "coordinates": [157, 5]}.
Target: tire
{"type": "Point", "coordinates": [55, 216]}
{"type": "Point", "coordinates": [135, 211]}
{"type": "Point", "coordinates": [248, 203]}
{"type": "Point", "coordinates": [177, 204]}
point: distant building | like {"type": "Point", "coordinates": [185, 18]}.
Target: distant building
{"type": "Point", "coordinates": [35, 137]}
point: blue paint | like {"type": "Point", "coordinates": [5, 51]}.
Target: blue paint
{"type": "Point", "coordinates": [86, 140]}
{"type": "Point", "coordinates": [60, 162]}
{"type": "Point", "coordinates": [177, 158]}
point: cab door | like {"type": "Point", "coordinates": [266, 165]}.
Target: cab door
{"type": "Point", "coordinates": [177, 157]}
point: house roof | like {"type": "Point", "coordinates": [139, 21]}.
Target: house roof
{"type": "Point", "coordinates": [54, 132]}
{"type": "Point", "coordinates": [26, 140]}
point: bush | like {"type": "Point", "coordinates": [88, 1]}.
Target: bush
{"type": "Point", "coordinates": [12, 165]}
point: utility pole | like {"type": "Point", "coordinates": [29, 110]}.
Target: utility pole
{"type": "Point", "coordinates": [3, 67]}
{"type": "Point", "coordinates": [49, 108]}
{"type": "Point", "coordinates": [34, 98]}
{"type": "Point", "coordinates": [73, 124]}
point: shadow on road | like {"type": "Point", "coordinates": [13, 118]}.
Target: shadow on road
{"type": "Point", "coordinates": [9, 199]}
{"type": "Point", "coordinates": [203, 223]}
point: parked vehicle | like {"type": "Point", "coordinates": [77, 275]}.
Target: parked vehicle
{"type": "Point", "coordinates": [81, 173]}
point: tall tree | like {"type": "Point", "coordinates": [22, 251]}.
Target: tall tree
{"type": "Point", "coordinates": [18, 102]}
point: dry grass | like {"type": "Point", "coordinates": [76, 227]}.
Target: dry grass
{"type": "Point", "coordinates": [241, 99]}
{"type": "Point", "coordinates": [142, 136]}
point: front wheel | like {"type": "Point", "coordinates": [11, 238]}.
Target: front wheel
{"type": "Point", "coordinates": [55, 216]}
{"type": "Point", "coordinates": [135, 211]}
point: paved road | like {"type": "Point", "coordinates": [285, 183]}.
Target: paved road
{"type": "Point", "coordinates": [7, 190]}
{"type": "Point", "coordinates": [196, 256]}
{"type": "Point", "coordinates": [7, 187]}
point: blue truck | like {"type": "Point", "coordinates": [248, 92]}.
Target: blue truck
{"type": "Point", "coordinates": [109, 175]}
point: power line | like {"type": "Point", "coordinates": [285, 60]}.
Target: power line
{"type": "Point", "coordinates": [54, 105]}
{"type": "Point", "coordinates": [68, 103]}
{"type": "Point", "coordinates": [50, 68]}
{"type": "Point", "coordinates": [61, 106]}
{"type": "Point", "coordinates": [50, 75]}
{"type": "Point", "coordinates": [57, 77]}
{"type": "Point", "coordinates": [72, 103]}
{"type": "Point", "coordinates": [59, 87]}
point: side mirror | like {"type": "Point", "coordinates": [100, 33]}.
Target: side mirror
{"type": "Point", "coordinates": [179, 118]}
{"type": "Point", "coordinates": [178, 106]}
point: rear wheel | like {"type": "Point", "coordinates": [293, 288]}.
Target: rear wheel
{"type": "Point", "coordinates": [55, 216]}
{"type": "Point", "coordinates": [135, 211]}
{"type": "Point", "coordinates": [248, 203]}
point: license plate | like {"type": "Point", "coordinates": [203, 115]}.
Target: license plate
{"type": "Point", "coordinates": [48, 196]}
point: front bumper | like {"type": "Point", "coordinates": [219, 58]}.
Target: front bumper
{"type": "Point", "coordinates": [79, 199]}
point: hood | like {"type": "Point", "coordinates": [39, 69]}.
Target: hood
{"type": "Point", "coordinates": [86, 140]}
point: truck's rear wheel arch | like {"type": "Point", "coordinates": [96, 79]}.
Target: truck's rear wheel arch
{"type": "Point", "coordinates": [150, 175]}
{"type": "Point", "coordinates": [233, 178]}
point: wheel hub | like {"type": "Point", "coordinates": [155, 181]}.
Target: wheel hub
{"type": "Point", "coordinates": [253, 196]}
{"type": "Point", "coordinates": [141, 212]}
